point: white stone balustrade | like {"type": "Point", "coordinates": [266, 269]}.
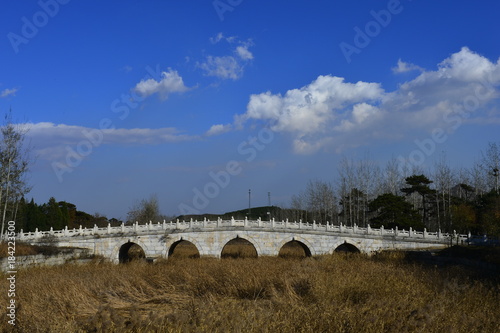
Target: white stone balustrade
{"type": "Point", "coordinates": [246, 224]}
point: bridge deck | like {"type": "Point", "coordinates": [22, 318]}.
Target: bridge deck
{"type": "Point", "coordinates": [327, 228]}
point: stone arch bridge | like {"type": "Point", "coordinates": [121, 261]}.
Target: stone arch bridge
{"type": "Point", "coordinates": [158, 240]}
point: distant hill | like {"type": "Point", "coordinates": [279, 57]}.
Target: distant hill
{"type": "Point", "coordinates": [264, 212]}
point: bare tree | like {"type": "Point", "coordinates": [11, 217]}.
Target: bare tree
{"type": "Point", "coordinates": [490, 163]}
{"type": "Point", "coordinates": [146, 210]}
{"type": "Point", "coordinates": [393, 178]}
{"type": "Point", "coordinates": [443, 181]}
{"type": "Point", "coordinates": [14, 166]}
{"type": "Point", "coordinates": [369, 183]}
{"type": "Point", "coordinates": [318, 199]}
{"type": "Point", "coordinates": [479, 182]}
{"type": "Point", "coordinates": [347, 182]}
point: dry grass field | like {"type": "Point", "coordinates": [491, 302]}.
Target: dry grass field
{"type": "Point", "coordinates": [337, 293]}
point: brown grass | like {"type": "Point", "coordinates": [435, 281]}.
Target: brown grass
{"type": "Point", "coordinates": [337, 293]}
{"type": "Point", "coordinates": [23, 249]}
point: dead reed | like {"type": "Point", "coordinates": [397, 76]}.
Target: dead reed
{"type": "Point", "coordinates": [336, 293]}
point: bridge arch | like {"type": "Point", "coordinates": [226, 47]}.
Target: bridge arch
{"type": "Point", "coordinates": [287, 249]}
{"type": "Point", "coordinates": [304, 243]}
{"type": "Point", "coordinates": [235, 236]}
{"type": "Point", "coordinates": [121, 252]}
{"type": "Point", "coordinates": [187, 237]}
{"type": "Point", "coordinates": [171, 248]}
{"type": "Point", "coordinates": [347, 245]}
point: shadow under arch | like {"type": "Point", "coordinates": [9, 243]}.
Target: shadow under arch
{"type": "Point", "coordinates": [131, 251]}
{"type": "Point", "coordinates": [298, 238]}
{"type": "Point", "coordinates": [183, 249]}
{"type": "Point", "coordinates": [294, 249]}
{"type": "Point", "coordinates": [239, 248]}
{"type": "Point", "coordinates": [347, 248]}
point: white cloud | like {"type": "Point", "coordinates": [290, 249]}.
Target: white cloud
{"type": "Point", "coordinates": [331, 113]}
{"type": "Point", "coordinates": [170, 83]}
{"type": "Point", "coordinates": [218, 129]}
{"type": "Point", "coordinates": [404, 67]}
{"type": "Point", "coordinates": [217, 38]}
{"type": "Point", "coordinates": [53, 140]}
{"type": "Point", "coordinates": [227, 66]}
{"type": "Point", "coordinates": [127, 69]}
{"type": "Point", "coordinates": [309, 110]}
{"type": "Point", "coordinates": [244, 53]}
{"type": "Point", "coordinates": [8, 92]}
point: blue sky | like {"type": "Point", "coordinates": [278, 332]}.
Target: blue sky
{"type": "Point", "coordinates": [125, 99]}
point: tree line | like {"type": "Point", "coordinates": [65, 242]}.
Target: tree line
{"type": "Point", "coordinates": [464, 200]}
{"type": "Point", "coordinates": [57, 215]}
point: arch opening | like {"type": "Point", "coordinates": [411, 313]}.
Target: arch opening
{"type": "Point", "coordinates": [130, 252]}
{"type": "Point", "coordinates": [239, 248]}
{"type": "Point", "coordinates": [294, 249]}
{"type": "Point", "coordinates": [347, 248]}
{"type": "Point", "coordinates": [183, 249]}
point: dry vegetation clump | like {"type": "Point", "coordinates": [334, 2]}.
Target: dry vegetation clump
{"type": "Point", "coordinates": [337, 293]}
{"type": "Point", "coordinates": [23, 249]}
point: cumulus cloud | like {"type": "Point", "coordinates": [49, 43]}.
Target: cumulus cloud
{"type": "Point", "coordinates": [309, 112]}
{"type": "Point", "coordinates": [170, 82]}
{"type": "Point", "coordinates": [54, 139]}
{"type": "Point", "coordinates": [331, 113]}
{"type": "Point", "coordinates": [8, 92]}
{"type": "Point", "coordinates": [403, 67]}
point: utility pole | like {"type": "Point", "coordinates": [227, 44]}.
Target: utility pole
{"type": "Point", "coordinates": [249, 201]}
{"type": "Point", "coordinates": [269, 205]}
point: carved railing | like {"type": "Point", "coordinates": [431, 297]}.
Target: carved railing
{"type": "Point", "coordinates": [272, 224]}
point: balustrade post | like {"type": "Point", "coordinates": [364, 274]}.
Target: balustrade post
{"type": "Point", "coordinates": [300, 223]}
{"type": "Point", "coordinates": [396, 231]}
{"type": "Point", "coordinates": [425, 233]}
{"type": "Point", "coordinates": [123, 227]}
{"type": "Point", "coordinates": [326, 225]}
{"type": "Point", "coordinates": [410, 232]}
{"type": "Point", "coordinates": [368, 229]}
{"type": "Point", "coordinates": [381, 230]}
{"type": "Point", "coordinates": [136, 226]}
{"type": "Point", "coordinates": [191, 223]}
{"type": "Point", "coordinates": [177, 224]}
{"type": "Point", "coordinates": [36, 233]}
{"type": "Point", "coordinates": [439, 233]}
{"type": "Point", "coordinates": [272, 223]}
{"type": "Point", "coordinates": [340, 227]}
{"type": "Point", "coordinates": [21, 234]}
{"type": "Point", "coordinates": [232, 221]}
{"type": "Point", "coordinates": [204, 222]}
{"type": "Point", "coordinates": [259, 222]}
{"type": "Point", "coordinates": [109, 228]}
{"type": "Point", "coordinates": [51, 231]}
{"type": "Point", "coordinates": [286, 223]}
{"type": "Point", "coordinates": [80, 230]}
